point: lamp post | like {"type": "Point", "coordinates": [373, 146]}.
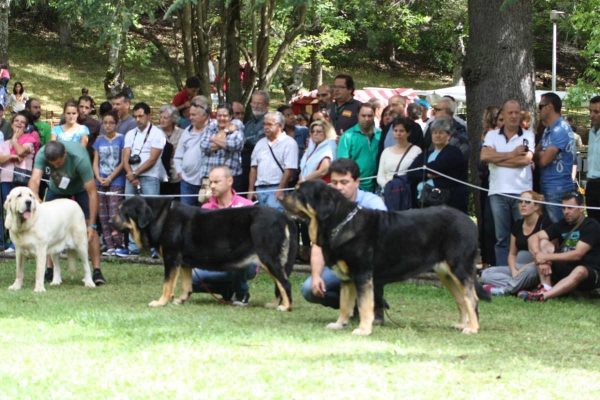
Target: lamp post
{"type": "Point", "coordinates": [554, 16]}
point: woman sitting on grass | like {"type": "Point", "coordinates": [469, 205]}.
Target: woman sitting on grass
{"type": "Point", "coordinates": [521, 272]}
{"type": "Point", "coordinates": [110, 177]}
{"type": "Point", "coordinates": [71, 131]}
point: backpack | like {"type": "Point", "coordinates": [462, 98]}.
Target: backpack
{"type": "Point", "coordinates": [397, 194]}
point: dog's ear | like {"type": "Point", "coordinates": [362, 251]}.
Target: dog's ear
{"type": "Point", "coordinates": [325, 203]}
{"type": "Point", "coordinates": [145, 215]}
{"type": "Point", "coordinates": [8, 223]}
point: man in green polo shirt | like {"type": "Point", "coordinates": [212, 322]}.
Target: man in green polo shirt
{"type": "Point", "coordinates": [43, 128]}
{"type": "Point", "coordinates": [71, 177]}
{"type": "Point", "coordinates": [361, 144]}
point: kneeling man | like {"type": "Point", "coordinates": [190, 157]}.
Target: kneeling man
{"type": "Point", "coordinates": [576, 262]}
{"type": "Point", "coordinates": [233, 286]}
{"type": "Point", "coordinates": [323, 285]}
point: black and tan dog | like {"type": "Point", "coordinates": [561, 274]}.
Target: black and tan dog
{"type": "Point", "coordinates": [367, 246]}
{"type": "Point", "coordinates": [221, 240]}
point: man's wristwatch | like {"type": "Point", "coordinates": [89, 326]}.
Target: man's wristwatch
{"type": "Point", "coordinates": [227, 131]}
{"type": "Point", "coordinates": [134, 174]}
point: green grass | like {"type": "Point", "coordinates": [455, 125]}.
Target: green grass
{"type": "Point", "coordinates": [72, 343]}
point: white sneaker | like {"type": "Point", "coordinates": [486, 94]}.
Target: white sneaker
{"type": "Point", "coordinates": [10, 250]}
{"type": "Point", "coordinates": [109, 252]}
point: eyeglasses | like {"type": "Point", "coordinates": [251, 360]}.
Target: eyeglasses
{"type": "Point", "coordinates": [109, 123]}
{"type": "Point", "coordinates": [323, 94]}
{"type": "Point", "coordinates": [202, 107]}
{"type": "Point", "coordinates": [522, 201]}
{"type": "Point", "coordinates": [440, 109]}
{"type": "Point", "coordinates": [542, 105]}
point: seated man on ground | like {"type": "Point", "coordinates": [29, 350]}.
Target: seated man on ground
{"type": "Point", "coordinates": [323, 286]}
{"type": "Point", "coordinates": [233, 286]}
{"type": "Point", "coordinates": [521, 272]}
{"type": "Point", "coordinates": [575, 264]}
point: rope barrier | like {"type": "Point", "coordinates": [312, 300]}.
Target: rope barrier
{"type": "Point", "coordinates": [402, 172]}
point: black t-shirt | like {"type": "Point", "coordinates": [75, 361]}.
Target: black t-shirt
{"type": "Point", "coordinates": [588, 232]}
{"type": "Point", "coordinates": [521, 238]}
{"type": "Point", "coordinates": [344, 117]}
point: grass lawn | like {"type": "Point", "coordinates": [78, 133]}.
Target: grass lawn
{"type": "Point", "coordinates": [73, 343]}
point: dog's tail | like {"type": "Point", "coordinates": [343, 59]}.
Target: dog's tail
{"type": "Point", "coordinates": [482, 294]}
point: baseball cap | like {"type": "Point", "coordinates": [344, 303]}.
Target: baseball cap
{"type": "Point", "coordinates": [423, 103]}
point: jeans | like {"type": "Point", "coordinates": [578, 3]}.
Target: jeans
{"type": "Point", "coordinates": [149, 186]}
{"type": "Point", "coordinates": [6, 188]}
{"type": "Point", "coordinates": [332, 291]}
{"type": "Point", "coordinates": [224, 283]}
{"type": "Point", "coordinates": [266, 197]}
{"type": "Point", "coordinates": [554, 212]}
{"type": "Point", "coordinates": [505, 211]}
{"type": "Point", "coordinates": [188, 188]}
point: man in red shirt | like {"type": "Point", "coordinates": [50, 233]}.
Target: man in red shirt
{"type": "Point", "coordinates": [183, 99]}
{"type": "Point", "coordinates": [233, 286]}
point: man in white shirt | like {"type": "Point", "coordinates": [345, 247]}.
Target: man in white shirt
{"type": "Point", "coordinates": [509, 152]}
{"type": "Point", "coordinates": [141, 161]}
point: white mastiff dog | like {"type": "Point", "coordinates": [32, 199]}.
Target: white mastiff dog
{"type": "Point", "coordinates": [46, 228]}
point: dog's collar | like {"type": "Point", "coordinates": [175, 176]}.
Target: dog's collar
{"type": "Point", "coordinates": [338, 228]}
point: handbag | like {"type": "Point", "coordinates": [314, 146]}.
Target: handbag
{"type": "Point", "coordinates": [21, 174]}
{"type": "Point", "coordinates": [433, 196]}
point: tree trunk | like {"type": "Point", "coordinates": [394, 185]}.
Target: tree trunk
{"type": "Point", "coordinates": [187, 39]}
{"type": "Point", "coordinates": [65, 33]}
{"type": "Point", "coordinates": [202, 46]}
{"type": "Point", "coordinates": [234, 83]}
{"type": "Point", "coordinates": [114, 78]}
{"type": "Point", "coordinates": [499, 63]}
{"type": "Point", "coordinates": [4, 9]}
{"type": "Point", "coordinates": [458, 57]}
{"type": "Point", "coordinates": [316, 68]}
{"type": "Point", "coordinates": [162, 51]}
{"type": "Point", "coordinates": [291, 86]}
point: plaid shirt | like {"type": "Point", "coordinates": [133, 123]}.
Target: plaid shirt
{"type": "Point", "coordinates": [231, 155]}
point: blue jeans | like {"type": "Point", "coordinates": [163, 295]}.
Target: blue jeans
{"type": "Point", "coordinates": [6, 188]}
{"type": "Point", "coordinates": [266, 197]}
{"type": "Point", "coordinates": [505, 211]}
{"type": "Point", "coordinates": [224, 282]}
{"type": "Point", "coordinates": [149, 186]}
{"type": "Point", "coordinates": [332, 291]}
{"type": "Point", "coordinates": [188, 188]}
{"type": "Point", "coordinates": [554, 212]}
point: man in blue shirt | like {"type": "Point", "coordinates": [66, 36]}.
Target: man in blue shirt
{"type": "Point", "coordinates": [555, 154]}
{"type": "Point", "coordinates": [323, 286]}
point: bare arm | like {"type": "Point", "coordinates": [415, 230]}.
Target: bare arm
{"type": "Point", "coordinates": [251, 183]}
{"type": "Point", "coordinates": [321, 172]}
{"type": "Point", "coordinates": [34, 182]}
{"type": "Point", "coordinates": [317, 265]}
{"type": "Point", "coordinates": [518, 161]}
{"type": "Point", "coordinates": [545, 157]}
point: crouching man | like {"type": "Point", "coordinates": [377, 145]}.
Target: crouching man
{"type": "Point", "coordinates": [233, 286]}
{"type": "Point", "coordinates": [575, 263]}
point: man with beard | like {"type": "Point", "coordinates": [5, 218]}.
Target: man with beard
{"type": "Point", "coordinates": [84, 108]}
{"type": "Point", "coordinates": [324, 95]}
{"type": "Point", "coordinates": [253, 131]}
{"type": "Point", "coordinates": [43, 128]}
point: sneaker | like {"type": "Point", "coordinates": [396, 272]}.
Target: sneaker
{"type": "Point", "coordinates": [125, 253]}
{"type": "Point", "coordinates": [496, 291]}
{"type": "Point", "coordinates": [10, 250]}
{"type": "Point", "coordinates": [488, 288]}
{"type": "Point", "coordinates": [109, 252]}
{"type": "Point", "coordinates": [48, 275]}
{"type": "Point", "coordinates": [241, 300]}
{"type": "Point", "coordinates": [155, 255]}
{"type": "Point", "coordinates": [98, 278]}
{"type": "Point", "coordinates": [533, 296]}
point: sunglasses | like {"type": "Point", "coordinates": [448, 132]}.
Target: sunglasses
{"type": "Point", "coordinates": [525, 201]}
{"type": "Point", "coordinates": [202, 107]}
{"type": "Point", "coordinates": [542, 105]}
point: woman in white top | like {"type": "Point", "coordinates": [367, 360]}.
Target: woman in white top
{"type": "Point", "coordinates": [18, 99]}
{"type": "Point", "coordinates": [391, 156]}
{"type": "Point", "coordinates": [71, 130]}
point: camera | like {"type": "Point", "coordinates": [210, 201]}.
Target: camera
{"type": "Point", "coordinates": [134, 159]}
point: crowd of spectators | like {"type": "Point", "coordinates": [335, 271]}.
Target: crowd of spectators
{"type": "Point", "coordinates": [189, 146]}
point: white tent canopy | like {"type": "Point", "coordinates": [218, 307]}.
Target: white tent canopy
{"type": "Point", "coordinates": [458, 92]}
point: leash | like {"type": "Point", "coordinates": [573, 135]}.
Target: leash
{"type": "Point", "coordinates": [387, 313]}
{"type": "Point", "coordinates": [338, 228]}
{"type": "Point", "coordinates": [209, 291]}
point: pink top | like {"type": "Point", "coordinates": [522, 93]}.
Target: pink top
{"type": "Point", "coordinates": [237, 201]}
{"type": "Point", "coordinates": [4, 73]}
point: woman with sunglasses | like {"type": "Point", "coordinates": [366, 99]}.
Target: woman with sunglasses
{"type": "Point", "coordinates": [521, 272]}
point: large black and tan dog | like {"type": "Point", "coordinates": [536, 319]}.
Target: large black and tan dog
{"type": "Point", "coordinates": [221, 240]}
{"type": "Point", "coordinates": [368, 246]}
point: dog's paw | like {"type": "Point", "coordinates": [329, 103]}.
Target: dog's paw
{"type": "Point", "coordinates": [41, 289]}
{"type": "Point", "coordinates": [89, 283]}
{"type": "Point", "coordinates": [156, 303]}
{"type": "Point", "coordinates": [55, 282]}
{"type": "Point", "coordinates": [272, 304]}
{"type": "Point", "coordinates": [283, 308]}
{"type": "Point", "coordinates": [459, 327]}
{"type": "Point", "coordinates": [16, 286]}
{"type": "Point", "coordinates": [334, 326]}
{"type": "Point", "coordinates": [179, 301]}
{"type": "Point", "coordinates": [470, 331]}
{"type": "Point", "coordinates": [361, 332]}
